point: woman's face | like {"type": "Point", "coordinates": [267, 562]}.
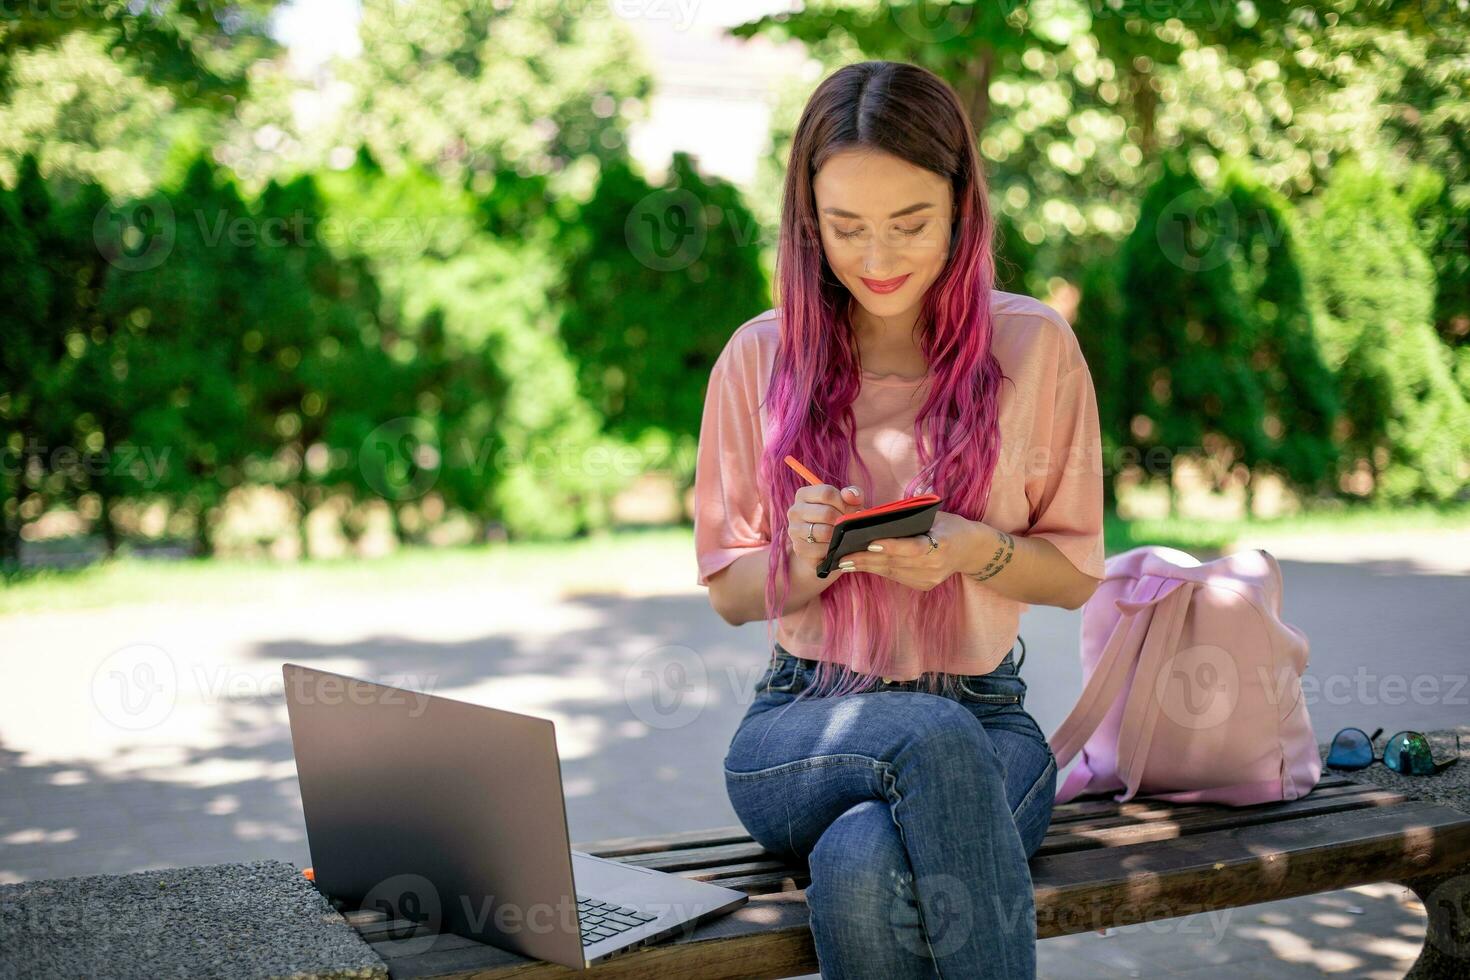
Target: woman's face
{"type": "Point", "coordinates": [885, 228]}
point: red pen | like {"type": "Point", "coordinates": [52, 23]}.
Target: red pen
{"type": "Point", "coordinates": [805, 473]}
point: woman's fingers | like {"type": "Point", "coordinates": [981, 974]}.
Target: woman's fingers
{"type": "Point", "coordinates": [823, 504]}
{"type": "Point", "coordinates": [809, 551]}
{"type": "Point", "coordinates": [821, 493]}
{"type": "Point", "coordinates": [815, 510]}
{"type": "Point", "coordinates": [820, 514]}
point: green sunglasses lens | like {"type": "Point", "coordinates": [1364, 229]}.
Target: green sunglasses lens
{"type": "Point", "coordinates": [1408, 752]}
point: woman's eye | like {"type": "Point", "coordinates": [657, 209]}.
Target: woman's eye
{"type": "Point", "coordinates": [911, 232]}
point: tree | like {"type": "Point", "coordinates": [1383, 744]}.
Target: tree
{"type": "Point", "coordinates": [28, 354]}
{"type": "Point", "coordinates": [97, 89]}
{"type": "Point", "coordinates": [199, 51]}
{"type": "Point", "coordinates": [497, 416]}
{"type": "Point", "coordinates": [213, 362]}
{"type": "Point", "coordinates": [159, 386]}
{"type": "Point", "coordinates": [1217, 333]}
{"type": "Point", "coordinates": [467, 88]}
{"type": "Point", "coordinates": [1298, 395]}
{"type": "Point", "coordinates": [1100, 330]}
{"type": "Point", "coordinates": [1406, 419]}
{"type": "Point", "coordinates": [656, 280]}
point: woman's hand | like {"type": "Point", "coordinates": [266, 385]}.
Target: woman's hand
{"type": "Point", "coordinates": [913, 562]}
{"type": "Point", "coordinates": [819, 506]}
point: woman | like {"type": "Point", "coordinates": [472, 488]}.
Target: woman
{"type": "Point", "coordinates": [888, 743]}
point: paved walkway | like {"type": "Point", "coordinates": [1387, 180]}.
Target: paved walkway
{"type": "Point", "coordinates": [151, 736]}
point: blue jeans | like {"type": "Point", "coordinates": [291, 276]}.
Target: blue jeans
{"type": "Point", "coordinates": [916, 813]}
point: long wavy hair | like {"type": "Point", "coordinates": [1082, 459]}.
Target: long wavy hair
{"type": "Point", "coordinates": [911, 113]}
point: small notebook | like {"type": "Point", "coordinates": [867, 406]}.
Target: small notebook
{"type": "Point", "coordinates": [895, 519]}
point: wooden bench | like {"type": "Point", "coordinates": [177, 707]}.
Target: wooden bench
{"type": "Point", "coordinates": [1102, 864]}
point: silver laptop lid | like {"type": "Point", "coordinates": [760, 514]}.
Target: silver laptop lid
{"type": "Point", "coordinates": [435, 810]}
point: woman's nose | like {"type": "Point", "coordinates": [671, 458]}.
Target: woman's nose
{"type": "Point", "coordinates": [875, 261]}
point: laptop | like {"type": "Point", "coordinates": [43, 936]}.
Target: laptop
{"type": "Point", "coordinates": [450, 816]}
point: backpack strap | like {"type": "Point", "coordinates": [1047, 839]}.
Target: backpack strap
{"type": "Point", "coordinates": [1075, 782]}
{"type": "Point", "coordinates": [1107, 679]}
{"type": "Point", "coordinates": [1141, 711]}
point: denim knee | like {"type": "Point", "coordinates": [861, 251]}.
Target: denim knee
{"type": "Point", "coordinates": [859, 865]}
{"type": "Point", "coordinates": [948, 731]}
{"type": "Point", "coordinates": [864, 912]}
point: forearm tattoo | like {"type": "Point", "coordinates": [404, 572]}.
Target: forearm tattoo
{"type": "Point", "coordinates": [999, 560]}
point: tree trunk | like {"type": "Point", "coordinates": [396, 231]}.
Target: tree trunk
{"type": "Point", "coordinates": [107, 526]}
{"type": "Point", "coordinates": [10, 541]}
{"type": "Point", "coordinates": [203, 534]}
{"type": "Point", "coordinates": [298, 497]}
{"type": "Point", "coordinates": [1110, 495]}
{"type": "Point", "coordinates": [977, 88]}
{"type": "Point", "coordinates": [395, 521]}
{"type": "Point", "coordinates": [1145, 108]}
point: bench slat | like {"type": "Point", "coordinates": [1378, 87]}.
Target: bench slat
{"type": "Point", "coordinates": [698, 849]}
{"type": "Point", "coordinates": [617, 847]}
{"type": "Point", "coordinates": [1115, 833]}
{"type": "Point", "coordinates": [1141, 807]}
{"type": "Point", "coordinates": [1095, 805]}
{"type": "Point", "coordinates": [1143, 822]}
{"type": "Point", "coordinates": [1239, 866]}
{"type": "Point", "coordinates": [1156, 829]}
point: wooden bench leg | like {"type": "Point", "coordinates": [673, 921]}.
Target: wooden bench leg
{"type": "Point", "coordinates": [1446, 952]}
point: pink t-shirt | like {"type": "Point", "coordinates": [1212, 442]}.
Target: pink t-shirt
{"type": "Point", "coordinates": [1047, 483]}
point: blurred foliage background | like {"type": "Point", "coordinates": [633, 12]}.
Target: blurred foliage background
{"type": "Point", "coordinates": [439, 301]}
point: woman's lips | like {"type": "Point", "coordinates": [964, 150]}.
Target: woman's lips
{"type": "Point", "coordinates": [885, 285]}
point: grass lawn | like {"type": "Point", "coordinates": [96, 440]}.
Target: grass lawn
{"type": "Point", "coordinates": [1197, 535]}
{"type": "Point", "coordinates": [612, 562]}
{"type": "Point", "coordinates": [656, 559]}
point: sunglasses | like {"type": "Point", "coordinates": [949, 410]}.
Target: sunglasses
{"type": "Point", "coordinates": [1407, 752]}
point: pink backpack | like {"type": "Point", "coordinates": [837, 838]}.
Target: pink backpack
{"type": "Point", "coordinates": [1192, 685]}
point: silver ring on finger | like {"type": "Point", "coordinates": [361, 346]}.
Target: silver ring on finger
{"type": "Point", "coordinates": [810, 537]}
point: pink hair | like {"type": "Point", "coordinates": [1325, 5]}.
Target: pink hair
{"type": "Point", "coordinates": [909, 112]}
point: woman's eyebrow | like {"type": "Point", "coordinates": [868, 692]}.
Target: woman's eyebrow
{"type": "Point", "coordinates": [838, 212]}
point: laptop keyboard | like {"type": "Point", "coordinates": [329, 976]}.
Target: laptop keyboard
{"type": "Point", "coordinates": [600, 920]}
